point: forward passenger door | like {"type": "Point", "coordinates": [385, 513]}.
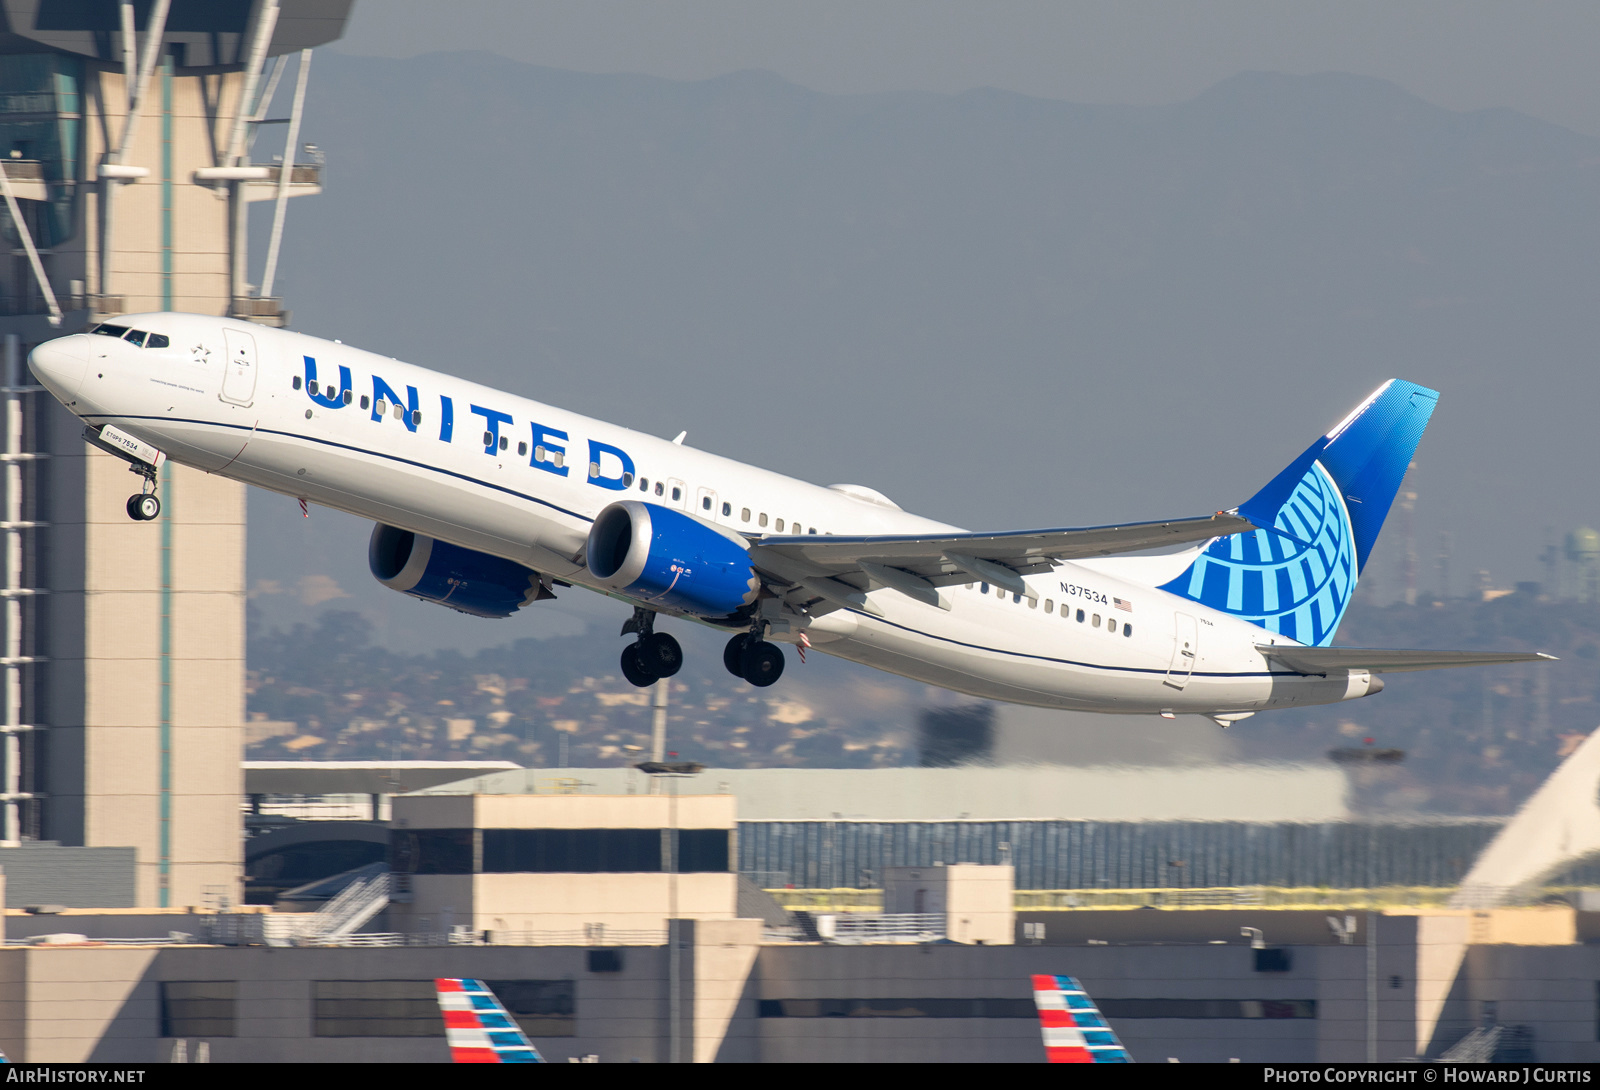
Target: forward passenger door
{"type": "Point", "coordinates": [239, 374]}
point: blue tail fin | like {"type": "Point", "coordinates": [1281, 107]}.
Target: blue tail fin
{"type": "Point", "coordinates": [1325, 511]}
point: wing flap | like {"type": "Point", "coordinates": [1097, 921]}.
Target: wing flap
{"type": "Point", "coordinates": [1377, 660]}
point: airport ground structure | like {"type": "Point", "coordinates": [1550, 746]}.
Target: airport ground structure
{"type": "Point", "coordinates": [617, 921]}
{"type": "Point", "coordinates": [126, 135]}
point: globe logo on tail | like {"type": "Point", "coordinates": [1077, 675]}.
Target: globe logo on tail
{"type": "Point", "coordinates": [1297, 581]}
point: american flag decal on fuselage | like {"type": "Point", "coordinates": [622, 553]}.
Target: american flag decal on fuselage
{"type": "Point", "coordinates": [1074, 1030]}
{"type": "Point", "coordinates": [477, 1028]}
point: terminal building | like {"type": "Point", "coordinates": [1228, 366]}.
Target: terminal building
{"type": "Point", "coordinates": [617, 919]}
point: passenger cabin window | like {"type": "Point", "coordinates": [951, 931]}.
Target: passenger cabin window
{"type": "Point", "coordinates": [1127, 630]}
{"type": "Point", "coordinates": [522, 448]}
{"type": "Point", "coordinates": [660, 488]}
{"type": "Point", "coordinates": [383, 406]}
{"type": "Point", "coordinates": [744, 514]}
{"type": "Point", "coordinates": [627, 480]}
{"type": "Point", "coordinates": [778, 526]}
{"type": "Point", "coordinates": [727, 509]}
{"type": "Point", "coordinates": [644, 484]}
{"type": "Point", "coordinates": [762, 521]}
{"type": "Point", "coordinates": [705, 503]}
{"type": "Point", "coordinates": [311, 387]}
{"type": "Point", "coordinates": [416, 417]}
{"type": "Point", "coordinates": [1096, 622]}
{"type": "Point", "coordinates": [364, 404]}
{"type": "Point", "coordinates": [505, 442]}
{"type": "Point", "coordinates": [399, 412]}
{"type": "Point", "coordinates": [677, 494]}
{"type": "Point", "coordinates": [1049, 605]}
{"type": "Point", "coordinates": [1080, 616]}
{"type": "Point", "coordinates": [297, 382]}
{"type": "Point", "coordinates": [349, 396]}
{"type": "Point", "coordinates": [1033, 603]}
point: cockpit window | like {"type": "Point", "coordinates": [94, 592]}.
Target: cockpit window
{"type": "Point", "coordinates": [136, 337]}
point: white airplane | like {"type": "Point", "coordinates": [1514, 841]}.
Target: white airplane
{"type": "Point", "coordinates": [485, 501]}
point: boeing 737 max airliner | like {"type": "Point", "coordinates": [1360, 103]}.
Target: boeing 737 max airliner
{"type": "Point", "coordinates": [487, 502]}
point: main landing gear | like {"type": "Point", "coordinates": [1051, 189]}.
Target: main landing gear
{"type": "Point", "coordinates": [653, 656]}
{"type": "Point", "coordinates": [145, 506]}
{"type": "Point", "coordinates": [749, 656]}
{"type": "Point", "coordinates": [656, 655]}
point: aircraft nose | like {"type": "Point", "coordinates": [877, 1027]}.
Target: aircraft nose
{"type": "Point", "coordinates": [60, 365]}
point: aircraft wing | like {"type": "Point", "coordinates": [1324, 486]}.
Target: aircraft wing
{"type": "Point", "coordinates": [1075, 1032]}
{"type": "Point", "coordinates": [843, 568]}
{"type": "Point", "coordinates": [1377, 660]}
{"type": "Point", "coordinates": [477, 1027]}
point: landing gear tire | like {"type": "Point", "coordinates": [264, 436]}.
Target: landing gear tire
{"type": "Point", "coordinates": [762, 663]}
{"type": "Point", "coordinates": [659, 654]}
{"type": "Point", "coordinates": [633, 669]}
{"type": "Point", "coordinates": [144, 508]}
{"type": "Point", "coordinates": [733, 654]}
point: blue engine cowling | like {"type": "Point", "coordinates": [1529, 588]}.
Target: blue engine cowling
{"type": "Point", "coordinates": [662, 556]}
{"type": "Point", "coordinates": [463, 579]}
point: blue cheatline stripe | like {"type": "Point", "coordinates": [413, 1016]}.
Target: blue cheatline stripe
{"type": "Point", "coordinates": [586, 518]}
{"type": "Point", "coordinates": [355, 450]}
{"type": "Point", "coordinates": [1071, 662]}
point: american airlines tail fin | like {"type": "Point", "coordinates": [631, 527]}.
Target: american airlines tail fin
{"type": "Point", "coordinates": [1324, 510]}
{"type": "Point", "coordinates": [477, 1027]}
{"type": "Point", "coordinates": [1074, 1030]}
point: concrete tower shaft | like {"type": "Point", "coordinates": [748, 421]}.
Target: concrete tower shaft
{"type": "Point", "coordinates": [126, 132]}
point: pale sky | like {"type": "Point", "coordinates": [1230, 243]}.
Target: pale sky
{"type": "Point", "coordinates": [1537, 56]}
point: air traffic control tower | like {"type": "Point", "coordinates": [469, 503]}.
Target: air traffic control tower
{"type": "Point", "coordinates": [126, 136]}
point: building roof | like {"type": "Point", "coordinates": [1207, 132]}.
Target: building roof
{"type": "Point", "coordinates": [1237, 792]}
{"type": "Point", "coordinates": [358, 777]}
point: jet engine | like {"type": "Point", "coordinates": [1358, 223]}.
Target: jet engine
{"type": "Point", "coordinates": [660, 555]}
{"type": "Point", "coordinates": [463, 579]}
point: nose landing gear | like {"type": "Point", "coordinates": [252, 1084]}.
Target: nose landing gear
{"type": "Point", "coordinates": [653, 656]}
{"type": "Point", "coordinates": [145, 505]}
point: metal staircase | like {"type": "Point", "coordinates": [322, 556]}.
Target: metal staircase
{"type": "Point", "coordinates": [357, 903]}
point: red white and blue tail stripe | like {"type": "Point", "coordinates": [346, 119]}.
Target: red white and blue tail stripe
{"type": "Point", "coordinates": [1075, 1032]}
{"type": "Point", "coordinates": [477, 1027]}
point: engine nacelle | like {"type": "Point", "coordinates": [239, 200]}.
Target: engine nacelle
{"type": "Point", "coordinates": [463, 579]}
{"type": "Point", "coordinates": [661, 555]}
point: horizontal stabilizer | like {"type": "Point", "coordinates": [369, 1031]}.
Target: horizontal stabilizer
{"type": "Point", "coordinates": [1385, 660]}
